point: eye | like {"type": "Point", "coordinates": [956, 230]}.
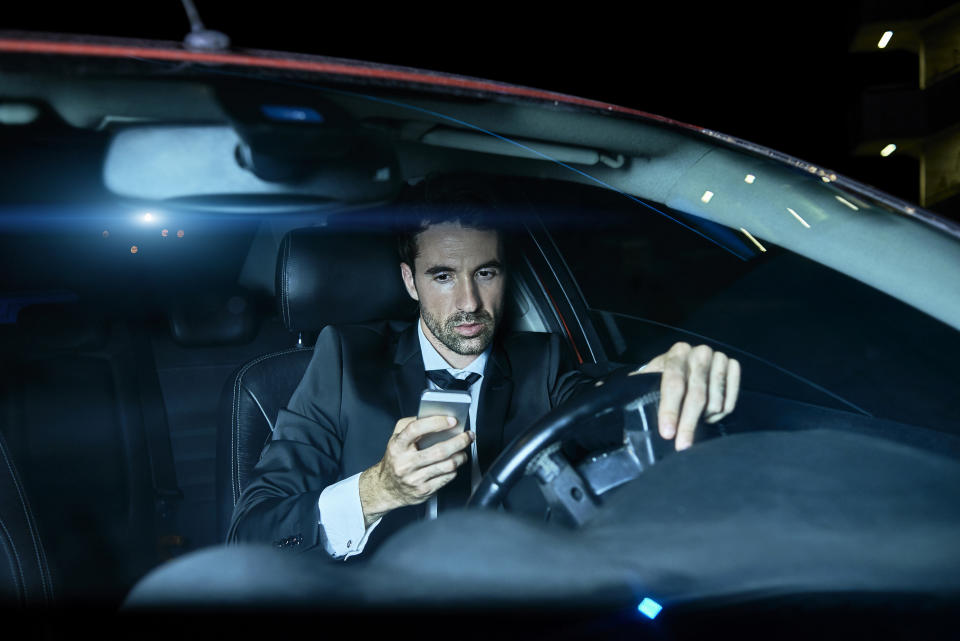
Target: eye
{"type": "Point", "coordinates": [442, 277]}
{"type": "Point", "coordinates": [487, 274]}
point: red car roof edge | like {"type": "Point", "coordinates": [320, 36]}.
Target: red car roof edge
{"type": "Point", "coordinates": [315, 64]}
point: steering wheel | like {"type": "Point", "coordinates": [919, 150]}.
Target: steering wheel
{"type": "Point", "coordinates": [537, 451]}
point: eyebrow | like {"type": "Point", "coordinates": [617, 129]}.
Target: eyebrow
{"type": "Point", "coordinates": [437, 269]}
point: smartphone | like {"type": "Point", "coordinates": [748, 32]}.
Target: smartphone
{"type": "Point", "coordinates": [443, 403]}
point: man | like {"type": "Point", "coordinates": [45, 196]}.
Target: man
{"type": "Point", "coordinates": [341, 472]}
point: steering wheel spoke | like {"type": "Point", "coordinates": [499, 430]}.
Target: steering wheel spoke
{"type": "Point", "coordinates": [575, 491]}
{"type": "Point", "coordinates": [608, 470]}
{"type": "Point", "coordinates": [567, 492]}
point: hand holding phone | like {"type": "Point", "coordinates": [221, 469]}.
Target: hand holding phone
{"type": "Point", "coordinates": [443, 403]}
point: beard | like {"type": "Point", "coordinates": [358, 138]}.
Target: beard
{"type": "Point", "coordinates": [444, 330]}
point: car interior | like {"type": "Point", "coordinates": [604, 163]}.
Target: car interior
{"type": "Point", "coordinates": [158, 308]}
{"type": "Point", "coordinates": [150, 389]}
{"type": "Point", "coordinates": [138, 411]}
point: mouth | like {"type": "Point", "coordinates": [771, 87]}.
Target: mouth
{"type": "Point", "coordinates": [469, 329]}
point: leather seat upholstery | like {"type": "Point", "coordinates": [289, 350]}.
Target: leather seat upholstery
{"type": "Point", "coordinates": [72, 414]}
{"type": "Point", "coordinates": [323, 277]}
{"type": "Point", "coordinates": [25, 577]}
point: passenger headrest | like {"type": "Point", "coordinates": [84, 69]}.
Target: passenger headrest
{"type": "Point", "coordinates": [214, 318]}
{"type": "Point", "coordinates": [328, 277]}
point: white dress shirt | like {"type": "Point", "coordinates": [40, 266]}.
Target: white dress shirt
{"type": "Point", "coordinates": [341, 514]}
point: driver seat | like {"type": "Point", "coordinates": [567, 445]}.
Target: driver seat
{"type": "Point", "coordinates": [323, 277]}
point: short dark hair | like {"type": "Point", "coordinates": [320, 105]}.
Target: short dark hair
{"type": "Point", "coordinates": [443, 199]}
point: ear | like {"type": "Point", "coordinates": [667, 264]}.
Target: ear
{"type": "Point", "coordinates": [411, 286]}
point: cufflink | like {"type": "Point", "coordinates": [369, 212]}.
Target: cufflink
{"type": "Point", "coordinates": [287, 542]}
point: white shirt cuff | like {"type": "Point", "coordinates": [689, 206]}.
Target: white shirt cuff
{"type": "Point", "coordinates": [341, 519]}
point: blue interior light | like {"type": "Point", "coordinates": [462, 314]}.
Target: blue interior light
{"type": "Point", "coordinates": [649, 608]}
{"type": "Point", "coordinates": [288, 113]}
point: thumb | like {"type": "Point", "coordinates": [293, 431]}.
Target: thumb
{"type": "Point", "coordinates": [656, 365]}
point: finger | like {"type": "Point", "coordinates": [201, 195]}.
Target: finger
{"type": "Point", "coordinates": [447, 466]}
{"type": "Point", "coordinates": [673, 385]}
{"type": "Point", "coordinates": [718, 383]}
{"type": "Point", "coordinates": [696, 397]}
{"type": "Point", "coordinates": [421, 426]}
{"type": "Point", "coordinates": [433, 485]}
{"type": "Point", "coordinates": [402, 424]}
{"type": "Point", "coordinates": [655, 365]}
{"type": "Point", "coordinates": [733, 386]}
{"type": "Point", "coordinates": [444, 449]}
{"type": "Point", "coordinates": [732, 391]}
{"type": "Point", "coordinates": [423, 490]}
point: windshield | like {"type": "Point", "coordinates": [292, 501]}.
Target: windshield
{"type": "Point", "coordinates": [146, 219]}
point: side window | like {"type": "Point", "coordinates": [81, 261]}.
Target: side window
{"type": "Point", "coordinates": [646, 276]}
{"type": "Point", "coordinates": [800, 329]}
{"type": "Point", "coordinates": [646, 265]}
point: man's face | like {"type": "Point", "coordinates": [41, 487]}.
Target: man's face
{"type": "Point", "coordinates": [458, 278]}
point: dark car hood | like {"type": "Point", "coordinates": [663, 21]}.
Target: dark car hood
{"type": "Point", "coordinates": [759, 514]}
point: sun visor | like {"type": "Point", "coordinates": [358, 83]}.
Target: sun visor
{"type": "Point", "coordinates": [273, 147]}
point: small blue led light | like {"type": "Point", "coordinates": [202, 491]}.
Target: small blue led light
{"type": "Point", "coordinates": [291, 114]}
{"type": "Point", "coordinates": [649, 608]}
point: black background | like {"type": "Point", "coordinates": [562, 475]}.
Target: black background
{"type": "Point", "coordinates": [777, 74]}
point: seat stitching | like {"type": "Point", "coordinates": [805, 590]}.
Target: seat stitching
{"type": "Point", "coordinates": [260, 407]}
{"type": "Point", "coordinates": [286, 292]}
{"type": "Point", "coordinates": [284, 300]}
{"type": "Point", "coordinates": [235, 423]}
{"type": "Point", "coordinates": [283, 267]}
{"type": "Point", "coordinates": [235, 419]}
{"type": "Point", "coordinates": [18, 568]}
{"type": "Point", "coordinates": [34, 536]}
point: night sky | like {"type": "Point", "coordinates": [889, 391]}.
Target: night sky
{"type": "Point", "coordinates": [775, 74]}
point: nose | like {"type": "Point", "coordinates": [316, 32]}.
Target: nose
{"type": "Point", "coordinates": [468, 298]}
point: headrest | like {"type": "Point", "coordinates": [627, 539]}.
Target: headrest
{"type": "Point", "coordinates": [328, 277]}
{"type": "Point", "coordinates": [214, 318]}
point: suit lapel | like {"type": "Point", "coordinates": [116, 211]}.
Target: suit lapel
{"type": "Point", "coordinates": [408, 375]}
{"type": "Point", "coordinates": [409, 380]}
{"type": "Point", "coordinates": [495, 393]}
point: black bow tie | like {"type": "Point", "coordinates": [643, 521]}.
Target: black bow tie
{"type": "Point", "coordinates": [444, 380]}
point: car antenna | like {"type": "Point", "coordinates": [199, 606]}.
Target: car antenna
{"type": "Point", "coordinates": [201, 38]}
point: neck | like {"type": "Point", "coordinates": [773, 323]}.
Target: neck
{"type": "Point", "coordinates": [456, 361]}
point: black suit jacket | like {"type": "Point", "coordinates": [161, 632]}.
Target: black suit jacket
{"type": "Point", "coordinates": [360, 381]}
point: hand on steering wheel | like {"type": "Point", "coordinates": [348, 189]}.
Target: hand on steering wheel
{"type": "Point", "coordinates": [697, 382]}
{"type": "Point", "coordinates": [625, 388]}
